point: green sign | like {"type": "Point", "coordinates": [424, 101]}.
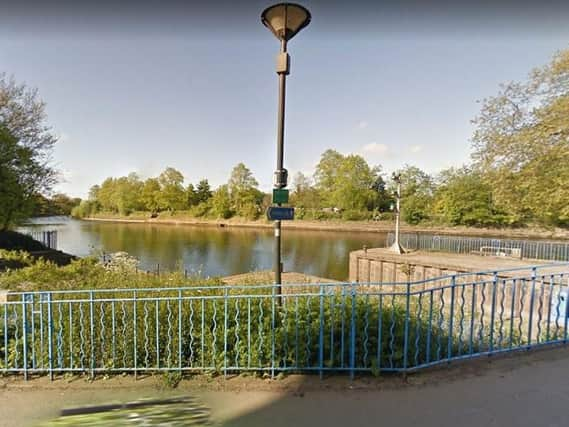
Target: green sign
{"type": "Point", "coordinates": [280, 195]}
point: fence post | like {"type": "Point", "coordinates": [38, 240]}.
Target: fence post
{"type": "Point", "coordinates": [180, 331]}
{"type": "Point", "coordinates": [533, 276]}
{"type": "Point", "coordinates": [134, 333]}
{"type": "Point", "coordinates": [225, 331]}
{"type": "Point", "coordinates": [24, 336]}
{"type": "Point", "coordinates": [353, 333]}
{"type": "Point", "coordinates": [92, 333]}
{"type": "Point", "coordinates": [492, 315]}
{"type": "Point", "coordinates": [451, 317]}
{"type": "Point", "coordinates": [406, 334]}
{"type": "Point", "coordinates": [321, 339]}
{"type": "Point", "coordinates": [50, 335]}
{"type": "Point", "coordinates": [279, 296]}
{"type": "Point", "coordinates": [565, 318]}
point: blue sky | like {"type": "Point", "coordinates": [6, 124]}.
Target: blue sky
{"type": "Point", "coordinates": [130, 97]}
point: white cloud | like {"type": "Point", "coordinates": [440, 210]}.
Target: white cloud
{"type": "Point", "coordinates": [416, 149]}
{"type": "Point", "coordinates": [375, 148]}
{"type": "Point", "coordinates": [362, 124]}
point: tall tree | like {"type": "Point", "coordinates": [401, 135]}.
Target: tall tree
{"type": "Point", "coordinates": [304, 194]}
{"type": "Point", "coordinates": [221, 203]}
{"type": "Point", "coordinates": [521, 144]}
{"type": "Point", "coordinates": [150, 195]}
{"type": "Point", "coordinates": [26, 144]}
{"type": "Point", "coordinates": [172, 193]}
{"type": "Point", "coordinates": [346, 182]}
{"type": "Point", "coordinates": [245, 196]}
{"type": "Point", "coordinates": [203, 191]}
{"type": "Point", "coordinates": [463, 198]}
{"type": "Point", "coordinates": [417, 189]}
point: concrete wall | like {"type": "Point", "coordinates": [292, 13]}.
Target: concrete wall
{"type": "Point", "coordinates": [524, 298]}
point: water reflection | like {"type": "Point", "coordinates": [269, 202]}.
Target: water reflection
{"type": "Point", "coordinates": [217, 251]}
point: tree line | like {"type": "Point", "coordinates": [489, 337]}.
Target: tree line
{"type": "Point", "coordinates": [518, 173]}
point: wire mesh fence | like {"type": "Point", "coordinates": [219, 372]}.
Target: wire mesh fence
{"type": "Point", "coordinates": [531, 249]}
{"type": "Point", "coordinates": [310, 328]}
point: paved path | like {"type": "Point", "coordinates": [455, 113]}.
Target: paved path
{"type": "Point", "coordinates": [525, 390]}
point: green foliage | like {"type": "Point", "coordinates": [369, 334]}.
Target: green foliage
{"type": "Point", "coordinates": [172, 195]}
{"type": "Point", "coordinates": [203, 191]}
{"type": "Point", "coordinates": [294, 331]}
{"type": "Point", "coordinates": [521, 145]}
{"type": "Point", "coordinates": [85, 209]}
{"type": "Point", "coordinates": [463, 198]}
{"type": "Point", "coordinates": [86, 273]}
{"type": "Point", "coordinates": [243, 192]}
{"type": "Point", "coordinates": [10, 260]}
{"type": "Point", "coordinates": [149, 195]}
{"type": "Point", "coordinates": [417, 194]}
{"type": "Point", "coordinates": [346, 182]}
{"type": "Point", "coordinates": [26, 143]}
{"type": "Point", "coordinates": [58, 204]}
{"type": "Point", "coordinates": [221, 203]}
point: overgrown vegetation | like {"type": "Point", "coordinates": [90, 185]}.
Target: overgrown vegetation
{"type": "Point", "coordinates": [254, 322]}
{"type": "Point", "coordinates": [210, 328]}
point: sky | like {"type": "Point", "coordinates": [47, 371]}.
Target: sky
{"type": "Point", "coordinates": [140, 86]}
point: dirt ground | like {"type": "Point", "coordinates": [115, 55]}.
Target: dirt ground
{"type": "Point", "coordinates": [522, 389]}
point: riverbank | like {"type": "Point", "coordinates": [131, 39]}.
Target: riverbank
{"type": "Point", "coordinates": [14, 241]}
{"type": "Point", "coordinates": [346, 226]}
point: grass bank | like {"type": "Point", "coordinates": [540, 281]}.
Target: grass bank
{"type": "Point", "coordinates": [336, 225]}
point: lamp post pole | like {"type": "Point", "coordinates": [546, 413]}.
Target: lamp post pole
{"type": "Point", "coordinates": [396, 247]}
{"type": "Point", "coordinates": [280, 174]}
{"type": "Point", "coordinates": [397, 211]}
{"type": "Point", "coordinates": [284, 20]}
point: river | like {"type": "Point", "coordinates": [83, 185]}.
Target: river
{"type": "Point", "coordinates": [212, 251]}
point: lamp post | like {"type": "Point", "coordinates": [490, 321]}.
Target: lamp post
{"type": "Point", "coordinates": [396, 247]}
{"type": "Point", "coordinates": [284, 20]}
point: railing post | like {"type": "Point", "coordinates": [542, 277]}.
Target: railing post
{"type": "Point", "coordinates": [406, 337]}
{"type": "Point", "coordinates": [275, 297]}
{"type": "Point", "coordinates": [134, 333]}
{"type": "Point", "coordinates": [225, 331]}
{"type": "Point", "coordinates": [180, 331]}
{"type": "Point", "coordinates": [92, 333]}
{"type": "Point", "coordinates": [492, 315]}
{"type": "Point", "coordinates": [566, 311]}
{"type": "Point", "coordinates": [353, 334]}
{"type": "Point", "coordinates": [321, 339]}
{"type": "Point", "coordinates": [50, 335]}
{"type": "Point", "coordinates": [533, 276]}
{"type": "Point", "coordinates": [24, 336]}
{"type": "Point", "coordinates": [451, 317]}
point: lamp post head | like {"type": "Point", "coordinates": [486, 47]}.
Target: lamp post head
{"type": "Point", "coordinates": [285, 20]}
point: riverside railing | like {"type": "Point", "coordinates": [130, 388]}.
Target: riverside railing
{"type": "Point", "coordinates": [47, 238]}
{"type": "Point", "coordinates": [310, 328]}
{"type": "Point", "coordinates": [532, 249]}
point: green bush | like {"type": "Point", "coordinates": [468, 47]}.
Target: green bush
{"type": "Point", "coordinates": [85, 209]}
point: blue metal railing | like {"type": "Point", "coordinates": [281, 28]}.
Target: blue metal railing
{"type": "Point", "coordinates": [531, 249]}
{"type": "Point", "coordinates": [313, 328]}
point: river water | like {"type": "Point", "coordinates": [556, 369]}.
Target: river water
{"type": "Point", "coordinates": [213, 251]}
